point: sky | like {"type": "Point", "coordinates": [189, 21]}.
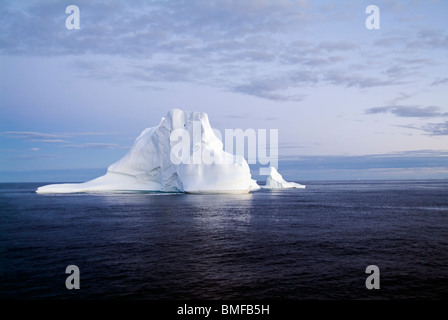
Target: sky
{"type": "Point", "coordinates": [348, 102]}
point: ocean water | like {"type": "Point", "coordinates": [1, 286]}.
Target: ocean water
{"type": "Point", "coordinates": [292, 244]}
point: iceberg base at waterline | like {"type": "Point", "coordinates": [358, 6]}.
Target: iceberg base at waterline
{"type": "Point", "coordinates": [153, 165]}
{"type": "Point", "coordinates": [276, 181]}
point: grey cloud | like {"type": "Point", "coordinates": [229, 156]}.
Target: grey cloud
{"type": "Point", "coordinates": [237, 116]}
{"type": "Point", "coordinates": [320, 61]}
{"type": "Point", "coordinates": [433, 38]}
{"type": "Point", "coordinates": [225, 43]}
{"type": "Point", "coordinates": [276, 88]}
{"type": "Point", "coordinates": [32, 157]}
{"type": "Point", "coordinates": [409, 111]}
{"type": "Point", "coordinates": [307, 77]}
{"type": "Point", "coordinates": [148, 87]}
{"type": "Point", "coordinates": [34, 135]}
{"type": "Point", "coordinates": [290, 146]}
{"type": "Point", "coordinates": [315, 61]}
{"type": "Point", "coordinates": [303, 52]}
{"type": "Point", "coordinates": [166, 72]}
{"type": "Point", "coordinates": [338, 46]}
{"type": "Point", "coordinates": [255, 55]}
{"type": "Point", "coordinates": [440, 81]}
{"type": "Point", "coordinates": [339, 77]}
{"type": "Point", "coordinates": [236, 18]}
{"type": "Point", "coordinates": [271, 89]}
{"type": "Point", "coordinates": [406, 159]}
{"type": "Point", "coordinates": [402, 96]}
{"type": "Point", "coordinates": [397, 71]}
{"type": "Point", "coordinates": [421, 61]}
{"type": "Point", "coordinates": [406, 68]}
{"type": "Point", "coordinates": [428, 38]}
{"type": "Point", "coordinates": [50, 140]}
{"type": "Point", "coordinates": [94, 145]}
{"type": "Point", "coordinates": [270, 118]}
{"type": "Point", "coordinates": [432, 129]}
{"type": "Point", "coordinates": [49, 137]}
{"type": "Point", "coordinates": [90, 133]}
{"type": "Point", "coordinates": [141, 28]}
{"type": "Point", "coordinates": [391, 41]}
{"type": "Point", "coordinates": [436, 129]}
{"type": "Point", "coordinates": [94, 69]}
{"type": "Point", "coordinates": [175, 71]}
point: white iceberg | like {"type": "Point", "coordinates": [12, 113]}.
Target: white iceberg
{"type": "Point", "coordinates": [151, 164]}
{"type": "Point", "coordinates": [276, 181]}
{"type": "Point", "coordinates": [159, 162]}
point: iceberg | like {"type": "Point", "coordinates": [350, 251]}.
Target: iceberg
{"type": "Point", "coordinates": [181, 154]}
{"type": "Point", "coordinates": [153, 164]}
{"type": "Point", "coordinates": [276, 181]}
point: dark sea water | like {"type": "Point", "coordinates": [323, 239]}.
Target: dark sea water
{"type": "Point", "coordinates": [292, 244]}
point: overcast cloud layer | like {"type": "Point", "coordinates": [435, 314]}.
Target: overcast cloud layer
{"type": "Point", "coordinates": [309, 68]}
{"type": "Point", "coordinates": [257, 47]}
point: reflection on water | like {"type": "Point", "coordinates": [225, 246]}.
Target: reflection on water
{"type": "Point", "coordinates": [220, 211]}
{"type": "Point", "coordinates": [291, 244]}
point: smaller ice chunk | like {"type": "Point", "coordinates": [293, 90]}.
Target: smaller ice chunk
{"type": "Point", "coordinates": [276, 181]}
